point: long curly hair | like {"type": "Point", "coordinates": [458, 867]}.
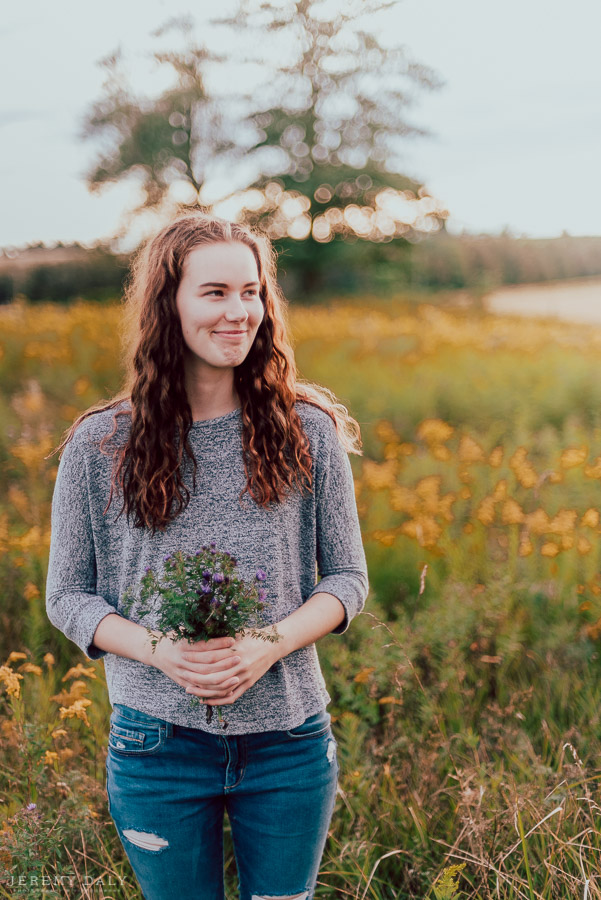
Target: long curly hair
{"type": "Point", "coordinates": [148, 467]}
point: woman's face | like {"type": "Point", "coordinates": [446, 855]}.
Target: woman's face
{"type": "Point", "coordinates": [219, 304]}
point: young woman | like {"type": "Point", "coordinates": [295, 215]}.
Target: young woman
{"type": "Point", "coordinates": [212, 439]}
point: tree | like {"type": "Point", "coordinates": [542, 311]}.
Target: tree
{"type": "Point", "coordinates": [326, 132]}
{"type": "Point", "coordinates": [319, 139]}
{"type": "Point", "coordinates": [167, 141]}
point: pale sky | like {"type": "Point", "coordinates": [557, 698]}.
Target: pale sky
{"type": "Point", "coordinates": [516, 129]}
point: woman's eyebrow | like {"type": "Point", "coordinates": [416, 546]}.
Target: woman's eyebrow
{"type": "Point", "coordinates": [221, 285]}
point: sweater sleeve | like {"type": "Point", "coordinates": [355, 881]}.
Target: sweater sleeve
{"type": "Point", "coordinates": [341, 562]}
{"type": "Point", "coordinates": [72, 604]}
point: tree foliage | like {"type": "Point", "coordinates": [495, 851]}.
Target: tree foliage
{"type": "Point", "coordinates": [320, 136]}
{"type": "Point", "coordinates": [171, 139]}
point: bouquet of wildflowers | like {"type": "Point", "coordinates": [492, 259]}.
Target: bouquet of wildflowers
{"type": "Point", "coordinates": [201, 598]}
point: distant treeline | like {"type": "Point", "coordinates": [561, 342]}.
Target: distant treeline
{"type": "Point", "coordinates": [441, 262]}
{"type": "Point", "coordinates": [62, 274]}
{"type": "Point", "coordinates": [484, 261]}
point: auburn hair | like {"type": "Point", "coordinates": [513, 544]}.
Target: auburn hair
{"type": "Point", "coordinates": [148, 467]}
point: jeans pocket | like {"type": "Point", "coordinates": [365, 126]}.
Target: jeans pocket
{"type": "Point", "coordinates": [134, 733]}
{"type": "Point", "coordinates": [313, 726]}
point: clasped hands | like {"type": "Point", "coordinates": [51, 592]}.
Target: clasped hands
{"type": "Point", "coordinates": [219, 670]}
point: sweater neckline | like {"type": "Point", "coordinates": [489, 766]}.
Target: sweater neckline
{"type": "Point", "coordinates": [218, 420]}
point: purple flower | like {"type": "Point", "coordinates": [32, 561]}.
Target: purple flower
{"type": "Point", "coordinates": [261, 576]}
{"type": "Point", "coordinates": [206, 588]}
{"type": "Point", "coordinates": [31, 806]}
{"type": "Point", "coordinates": [216, 601]}
{"type": "Point", "coordinates": [167, 558]}
{"type": "Point", "coordinates": [198, 553]}
{"type": "Point", "coordinates": [218, 578]}
{"type": "Point", "coordinates": [262, 594]}
{"type": "Point", "coordinates": [213, 545]}
{"type": "Point", "coordinates": [148, 570]}
{"type": "Point", "coordinates": [207, 573]}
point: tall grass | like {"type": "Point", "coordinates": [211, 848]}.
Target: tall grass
{"type": "Point", "coordinates": [465, 697]}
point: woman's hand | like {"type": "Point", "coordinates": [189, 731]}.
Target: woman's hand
{"type": "Point", "coordinates": [254, 657]}
{"type": "Point", "coordinates": [209, 664]}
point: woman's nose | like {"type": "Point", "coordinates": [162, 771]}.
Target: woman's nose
{"type": "Point", "coordinates": [235, 308]}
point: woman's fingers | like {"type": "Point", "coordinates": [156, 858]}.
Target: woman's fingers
{"type": "Point", "coordinates": [207, 657]}
{"type": "Point", "coordinates": [211, 692]}
{"type": "Point", "coordinates": [215, 684]}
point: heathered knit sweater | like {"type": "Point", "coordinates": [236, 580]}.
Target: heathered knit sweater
{"type": "Point", "coordinates": [94, 558]}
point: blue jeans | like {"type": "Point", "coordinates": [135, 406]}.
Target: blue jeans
{"type": "Point", "coordinates": [168, 787]}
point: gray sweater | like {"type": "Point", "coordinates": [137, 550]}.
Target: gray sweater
{"type": "Point", "coordinates": [94, 558]}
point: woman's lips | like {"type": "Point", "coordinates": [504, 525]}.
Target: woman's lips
{"type": "Point", "coordinates": [231, 335]}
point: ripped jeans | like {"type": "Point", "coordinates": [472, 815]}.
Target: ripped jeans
{"type": "Point", "coordinates": [168, 786]}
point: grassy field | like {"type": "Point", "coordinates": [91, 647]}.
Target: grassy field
{"type": "Point", "coordinates": [465, 696]}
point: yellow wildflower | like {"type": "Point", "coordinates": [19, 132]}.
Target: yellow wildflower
{"type": "Point", "coordinates": [11, 681]}
{"type": "Point", "coordinates": [363, 676]}
{"type": "Point", "coordinates": [59, 732]}
{"type": "Point", "coordinates": [403, 499]}
{"type": "Point", "coordinates": [434, 431]}
{"type": "Point", "coordinates": [386, 538]}
{"type": "Point", "coordinates": [537, 521]}
{"type": "Point", "coordinates": [390, 700]}
{"type": "Point", "coordinates": [77, 690]}
{"type": "Point", "coordinates": [486, 511]}
{"type": "Point", "coordinates": [593, 471]}
{"type": "Point", "coordinates": [465, 493]}
{"type": "Point", "coordinates": [31, 591]}
{"type": "Point", "coordinates": [49, 659]}
{"type": "Point", "coordinates": [549, 549]}
{"type": "Point", "coordinates": [30, 667]}
{"type": "Point", "coordinates": [379, 475]}
{"type": "Point", "coordinates": [496, 457]}
{"type": "Point", "coordinates": [20, 501]}
{"type": "Point", "coordinates": [526, 547]}
{"type": "Point", "coordinates": [567, 541]}
{"type": "Point", "coordinates": [511, 513]}
{"type": "Point", "coordinates": [405, 449]}
{"type": "Point", "coordinates": [76, 710]}
{"type": "Point", "coordinates": [424, 529]}
{"type": "Point", "coordinates": [427, 489]}
{"type": "Point", "coordinates": [522, 468]}
{"type": "Point", "coordinates": [440, 452]}
{"type": "Point", "coordinates": [564, 522]}
{"type": "Point", "coordinates": [16, 654]}
{"type": "Point", "coordinates": [590, 518]}
{"type": "Point", "coordinates": [79, 669]}
{"type": "Point", "coordinates": [385, 431]}
{"type": "Point", "coordinates": [500, 491]}
{"type": "Point", "coordinates": [49, 757]}
{"type": "Point", "coordinates": [470, 451]}
{"type": "Point", "coordinates": [81, 385]}
{"type": "Point", "coordinates": [573, 456]}
{"type": "Point", "coordinates": [584, 546]}
{"type": "Point", "coordinates": [444, 507]}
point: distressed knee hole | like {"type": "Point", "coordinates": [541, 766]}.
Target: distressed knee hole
{"type": "Point", "coordinates": [302, 896]}
{"type": "Point", "coordinates": [144, 840]}
{"type": "Point", "coordinates": [331, 751]}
